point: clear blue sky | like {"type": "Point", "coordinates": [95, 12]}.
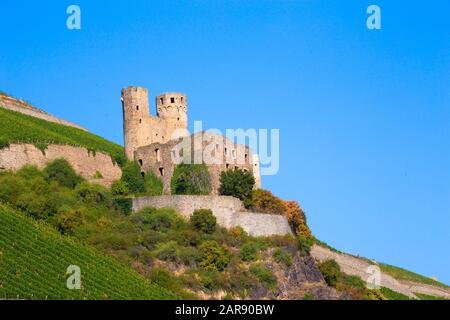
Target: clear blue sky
{"type": "Point", "coordinates": [364, 116]}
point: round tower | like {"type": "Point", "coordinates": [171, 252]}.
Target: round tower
{"type": "Point", "coordinates": [135, 112]}
{"type": "Point", "coordinates": [172, 108]}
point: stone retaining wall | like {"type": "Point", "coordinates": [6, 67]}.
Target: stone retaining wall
{"type": "Point", "coordinates": [229, 212]}
{"type": "Point", "coordinates": [84, 163]}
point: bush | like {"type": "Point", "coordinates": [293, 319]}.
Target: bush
{"type": "Point", "coordinates": [131, 175]}
{"type": "Point", "coordinates": [119, 189]}
{"type": "Point", "coordinates": [153, 185]}
{"type": "Point", "coordinates": [38, 205]}
{"type": "Point", "coordinates": [167, 251]}
{"type": "Point", "coordinates": [237, 183]}
{"type": "Point", "coordinates": [297, 218]}
{"type": "Point", "coordinates": [264, 275]}
{"type": "Point", "coordinates": [97, 175]}
{"type": "Point", "coordinates": [305, 244]}
{"type": "Point", "coordinates": [62, 172]}
{"type": "Point", "coordinates": [265, 201]}
{"type": "Point", "coordinates": [93, 194]}
{"type": "Point", "coordinates": [123, 205]}
{"type": "Point", "coordinates": [330, 271]}
{"type": "Point", "coordinates": [188, 255]}
{"type": "Point", "coordinates": [68, 221]}
{"type": "Point", "coordinates": [203, 220]}
{"type": "Point", "coordinates": [191, 179]}
{"type": "Point", "coordinates": [213, 256]}
{"type": "Point", "coordinates": [157, 219]}
{"type": "Point", "coordinates": [248, 252]}
{"type": "Point", "coordinates": [281, 255]}
{"type": "Point", "coordinates": [165, 279]}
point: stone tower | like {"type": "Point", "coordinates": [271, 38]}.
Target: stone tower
{"type": "Point", "coordinates": [142, 129]}
{"type": "Point", "coordinates": [172, 109]}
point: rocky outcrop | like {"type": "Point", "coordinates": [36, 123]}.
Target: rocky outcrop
{"type": "Point", "coordinates": [360, 267]}
{"type": "Point", "coordinates": [85, 163]}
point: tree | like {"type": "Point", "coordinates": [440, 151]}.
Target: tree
{"type": "Point", "coordinates": [62, 172]}
{"type": "Point", "coordinates": [204, 220]}
{"type": "Point", "coordinates": [131, 175]}
{"type": "Point", "coordinates": [237, 183]}
{"type": "Point", "coordinates": [191, 179]}
{"type": "Point", "coordinates": [265, 201]}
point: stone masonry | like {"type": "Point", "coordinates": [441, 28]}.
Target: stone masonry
{"type": "Point", "coordinates": [229, 211]}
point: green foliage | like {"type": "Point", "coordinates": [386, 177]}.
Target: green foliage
{"type": "Point", "coordinates": [158, 219]}
{"type": "Point", "coordinates": [131, 175]}
{"type": "Point", "coordinates": [281, 255]}
{"type": "Point", "coordinates": [20, 128]}
{"type": "Point", "coordinates": [330, 271]}
{"type": "Point", "coordinates": [119, 189]}
{"type": "Point", "coordinates": [153, 185]}
{"type": "Point", "coordinates": [422, 296]}
{"type": "Point", "coordinates": [24, 240]}
{"type": "Point", "coordinates": [97, 175]}
{"type": "Point", "coordinates": [62, 172]}
{"type": "Point", "coordinates": [402, 274]}
{"type": "Point", "coordinates": [213, 256]}
{"type": "Point", "coordinates": [191, 179]}
{"type": "Point", "coordinates": [4, 143]}
{"type": "Point", "coordinates": [68, 221]}
{"type": "Point", "coordinates": [393, 295]}
{"type": "Point", "coordinates": [123, 205]}
{"type": "Point", "coordinates": [93, 194]}
{"type": "Point", "coordinates": [167, 251]}
{"type": "Point", "coordinates": [203, 220]}
{"type": "Point", "coordinates": [249, 252]}
{"type": "Point", "coordinates": [305, 243]}
{"type": "Point", "coordinates": [264, 275]}
{"type": "Point", "coordinates": [237, 183]}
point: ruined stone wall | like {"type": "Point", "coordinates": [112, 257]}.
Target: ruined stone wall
{"type": "Point", "coordinates": [86, 164]}
{"type": "Point", "coordinates": [159, 158]}
{"type": "Point", "coordinates": [17, 105]}
{"type": "Point", "coordinates": [229, 212]}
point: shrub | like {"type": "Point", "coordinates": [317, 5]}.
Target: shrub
{"type": "Point", "coordinates": [213, 256]}
{"type": "Point", "coordinates": [157, 219]}
{"type": "Point", "coordinates": [61, 171]}
{"type": "Point", "coordinates": [330, 271]}
{"type": "Point", "coordinates": [248, 252]}
{"type": "Point", "coordinates": [203, 220]}
{"type": "Point", "coordinates": [265, 201]}
{"type": "Point", "coordinates": [165, 279]}
{"type": "Point", "coordinates": [68, 221]}
{"type": "Point", "coordinates": [305, 244]}
{"type": "Point", "coordinates": [123, 205]}
{"type": "Point", "coordinates": [131, 175]}
{"type": "Point", "coordinates": [167, 251]}
{"type": "Point", "coordinates": [119, 189]}
{"type": "Point", "coordinates": [11, 188]}
{"type": "Point", "coordinates": [153, 184]}
{"type": "Point", "coordinates": [188, 255]}
{"type": "Point", "coordinates": [237, 183]}
{"type": "Point", "coordinates": [93, 194]}
{"type": "Point", "coordinates": [191, 179]}
{"type": "Point", "coordinates": [297, 218]}
{"type": "Point", "coordinates": [264, 275]}
{"type": "Point", "coordinates": [281, 255]}
{"type": "Point", "coordinates": [38, 205]}
{"type": "Point", "coordinates": [97, 175]}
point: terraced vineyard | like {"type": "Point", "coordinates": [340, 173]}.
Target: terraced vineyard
{"type": "Point", "coordinates": [34, 259]}
{"type": "Point", "coordinates": [20, 128]}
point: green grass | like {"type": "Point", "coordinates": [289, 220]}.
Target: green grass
{"type": "Point", "coordinates": [20, 128]}
{"type": "Point", "coordinates": [402, 274]}
{"type": "Point", "coordinates": [393, 295]}
{"type": "Point", "coordinates": [34, 259]}
{"type": "Point", "coordinates": [422, 296]}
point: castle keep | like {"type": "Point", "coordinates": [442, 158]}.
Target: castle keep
{"type": "Point", "coordinates": [154, 141]}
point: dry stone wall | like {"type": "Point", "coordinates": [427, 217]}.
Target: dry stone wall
{"type": "Point", "coordinates": [84, 162]}
{"type": "Point", "coordinates": [229, 212]}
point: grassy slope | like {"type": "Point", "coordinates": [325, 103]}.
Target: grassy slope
{"type": "Point", "coordinates": [34, 259]}
{"type": "Point", "coordinates": [18, 127]}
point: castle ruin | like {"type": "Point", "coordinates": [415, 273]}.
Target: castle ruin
{"type": "Point", "coordinates": [154, 141]}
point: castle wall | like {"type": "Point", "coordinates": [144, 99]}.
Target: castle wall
{"type": "Point", "coordinates": [84, 163]}
{"type": "Point", "coordinates": [22, 107]}
{"type": "Point", "coordinates": [229, 212]}
{"type": "Point", "coordinates": [159, 158]}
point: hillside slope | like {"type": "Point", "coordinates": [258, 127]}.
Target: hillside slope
{"type": "Point", "coordinates": [20, 128]}
{"type": "Point", "coordinates": [34, 259]}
